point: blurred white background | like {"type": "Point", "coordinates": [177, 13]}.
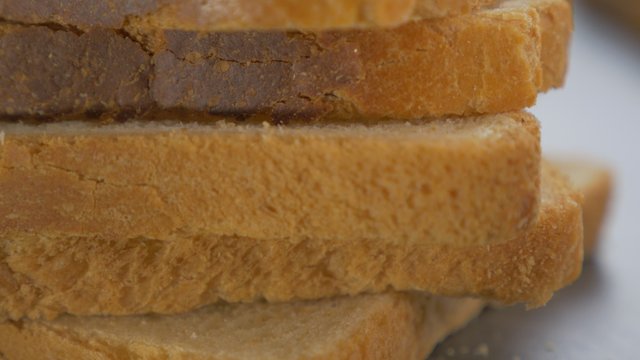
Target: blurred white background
{"type": "Point", "coordinates": [596, 115]}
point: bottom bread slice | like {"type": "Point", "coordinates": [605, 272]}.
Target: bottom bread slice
{"type": "Point", "coordinates": [595, 181]}
{"type": "Point", "coordinates": [386, 326]}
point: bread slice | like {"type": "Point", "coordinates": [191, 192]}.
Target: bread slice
{"type": "Point", "coordinates": [398, 326]}
{"type": "Point", "coordinates": [491, 61]}
{"type": "Point", "coordinates": [461, 181]}
{"type": "Point", "coordinates": [235, 15]}
{"type": "Point", "coordinates": [47, 274]}
{"type": "Point", "coordinates": [596, 183]}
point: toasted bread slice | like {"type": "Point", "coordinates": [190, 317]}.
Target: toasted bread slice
{"type": "Point", "coordinates": [51, 273]}
{"type": "Point", "coordinates": [492, 61]}
{"type": "Point", "coordinates": [232, 15]}
{"type": "Point", "coordinates": [464, 181]}
{"type": "Point", "coordinates": [595, 181]}
{"type": "Point", "coordinates": [399, 326]}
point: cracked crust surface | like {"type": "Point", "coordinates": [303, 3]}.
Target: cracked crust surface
{"type": "Point", "coordinates": [402, 326]}
{"type": "Point", "coordinates": [46, 275]}
{"type": "Point", "coordinates": [232, 15]}
{"type": "Point", "coordinates": [57, 72]}
{"type": "Point", "coordinates": [488, 62]}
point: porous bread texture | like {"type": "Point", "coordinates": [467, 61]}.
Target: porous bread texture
{"type": "Point", "coordinates": [595, 181]}
{"type": "Point", "coordinates": [48, 275]}
{"type": "Point", "coordinates": [232, 15]}
{"type": "Point", "coordinates": [457, 181]}
{"type": "Point", "coordinates": [386, 326]}
{"type": "Point", "coordinates": [487, 62]}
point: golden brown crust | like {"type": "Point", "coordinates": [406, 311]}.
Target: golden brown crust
{"type": "Point", "coordinates": [386, 326]}
{"type": "Point", "coordinates": [48, 275]}
{"type": "Point", "coordinates": [232, 15]}
{"type": "Point", "coordinates": [488, 62]}
{"type": "Point", "coordinates": [456, 181]}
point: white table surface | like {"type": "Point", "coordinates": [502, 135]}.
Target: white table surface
{"type": "Point", "coordinates": [597, 114]}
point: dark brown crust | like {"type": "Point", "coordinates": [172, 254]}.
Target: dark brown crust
{"type": "Point", "coordinates": [281, 75]}
{"type": "Point", "coordinates": [48, 72]}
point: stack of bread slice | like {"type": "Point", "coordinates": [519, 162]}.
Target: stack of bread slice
{"type": "Point", "coordinates": [227, 179]}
